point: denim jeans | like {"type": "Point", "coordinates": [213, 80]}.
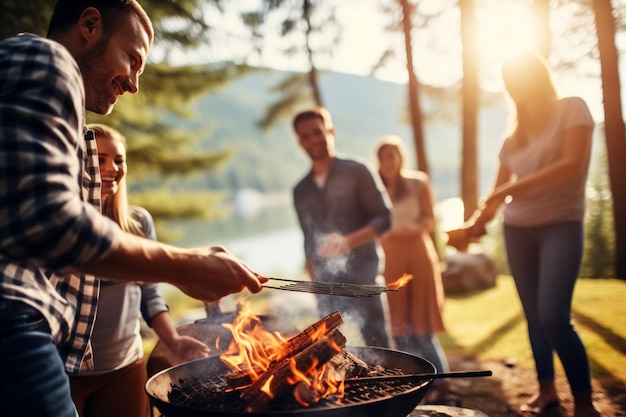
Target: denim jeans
{"type": "Point", "coordinates": [545, 262]}
{"type": "Point", "coordinates": [32, 377]}
{"type": "Point", "coordinates": [425, 346]}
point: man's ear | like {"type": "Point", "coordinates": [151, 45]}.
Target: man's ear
{"type": "Point", "coordinates": [90, 24]}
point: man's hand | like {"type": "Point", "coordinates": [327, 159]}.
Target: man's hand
{"type": "Point", "coordinates": [212, 273]}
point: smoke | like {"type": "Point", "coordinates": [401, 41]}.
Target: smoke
{"type": "Point", "coordinates": [331, 265]}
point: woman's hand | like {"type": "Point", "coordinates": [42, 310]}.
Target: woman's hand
{"type": "Point", "coordinates": [189, 349]}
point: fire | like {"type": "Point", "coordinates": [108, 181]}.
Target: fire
{"type": "Point", "coordinates": [254, 349]}
{"type": "Point", "coordinates": [400, 282]}
{"type": "Point", "coordinates": [315, 384]}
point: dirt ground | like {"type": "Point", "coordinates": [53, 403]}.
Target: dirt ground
{"type": "Point", "coordinates": [509, 387]}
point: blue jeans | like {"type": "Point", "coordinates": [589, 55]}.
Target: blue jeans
{"type": "Point", "coordinates": [32, 377]}
{"type": "Point", "coordinates": [425, 346]}
{"type": "Point", "coordinates": [545, 262]}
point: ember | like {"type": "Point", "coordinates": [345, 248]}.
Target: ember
{"type": "Point", "coordinates": [400, 282]}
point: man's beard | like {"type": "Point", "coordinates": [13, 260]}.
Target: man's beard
{"type": "Point", "coordinates": [96, 79]}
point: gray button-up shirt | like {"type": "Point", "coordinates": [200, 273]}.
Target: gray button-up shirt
{"type": "Point", "coordinates": [350, 199]}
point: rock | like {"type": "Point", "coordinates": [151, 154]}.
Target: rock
{"type": "Point", "coordinates": [468, 271]}
{"type": "Point", "coordinates": [444, 411]}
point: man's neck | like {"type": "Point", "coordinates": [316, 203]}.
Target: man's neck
{"type": "Point", "coordinates": [322, 166]}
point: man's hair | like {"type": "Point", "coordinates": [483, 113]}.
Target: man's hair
{"type": "Point", "coordinates": [314, 113]}
{"type": "Point", "coordinates": [67, 12]}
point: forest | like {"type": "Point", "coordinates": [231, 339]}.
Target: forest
{"type": "Point", "coordinates": [580, 37]}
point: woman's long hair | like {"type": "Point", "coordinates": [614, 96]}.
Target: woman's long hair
{"type": "Point", "coordinates": [394, 142]}
{"type": "Point", "coordinates": [527, 74]}
{"type": "Point", "coordinates": [116, 206]}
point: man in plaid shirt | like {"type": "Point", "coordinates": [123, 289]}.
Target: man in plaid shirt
{"type": "Point", "coordinates": [53, 239]}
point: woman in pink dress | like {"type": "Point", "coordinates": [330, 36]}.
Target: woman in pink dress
{"type": "Point", "coordinates": [416, 310]}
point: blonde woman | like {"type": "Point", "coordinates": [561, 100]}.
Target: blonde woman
{"type": "Point", "coordinates": [115, 387]}
{"type": "Point", "coordinates": [541, 184]}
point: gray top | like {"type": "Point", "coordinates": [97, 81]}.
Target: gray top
{"type": "Point", "coordinates": [116, 340]}
{"type": "Point", "coordinates": [551, 203]}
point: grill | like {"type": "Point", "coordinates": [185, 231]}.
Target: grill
{"type": "Point", "coordinates": [198, 389]}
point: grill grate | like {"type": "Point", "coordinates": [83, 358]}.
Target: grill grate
{"type": "Point", "coordinates": [212, 394]}
{"type": "Point", "coordinates": [329, 288]}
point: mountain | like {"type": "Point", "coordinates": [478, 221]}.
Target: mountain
{"type": "Point", "coordinates": [363, 110]}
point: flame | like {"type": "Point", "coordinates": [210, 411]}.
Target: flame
{"type": "Point", "coordinates": [400, 282]}
{"type": "Point", "coordinates": [319, 383]}
{"type": "Point", "coordinates": [267, 387]}
{"type": "Point", "coordinates": [254, 349]}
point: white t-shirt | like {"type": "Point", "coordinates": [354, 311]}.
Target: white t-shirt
{"type": "Point", "coordinates": [556, 202]}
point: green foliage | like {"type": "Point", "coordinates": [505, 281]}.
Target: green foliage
{"type": "Point", "coordinates": [294, 90]}
{"type": "Point", "coordinates": [25, 16]}
{"type": "Point", "coordinates": [157, 148]}
{"type": "Point", "coordinates": [598, 260]}
{"type": "Point", "coordinates": [307, 20]}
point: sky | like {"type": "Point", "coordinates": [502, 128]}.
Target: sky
{"type": "Point", "coordinates": [504, 27]}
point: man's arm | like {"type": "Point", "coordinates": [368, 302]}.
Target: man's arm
{"type": "Point", "coordinates": [207, 274]}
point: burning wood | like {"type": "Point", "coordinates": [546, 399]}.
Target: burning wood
{"type": "Point", "coordinates": [280, 379]}
{"type": "Point", "coordinates": [241, 376]}
{"type": "Point", "coordinates": [312, 364]}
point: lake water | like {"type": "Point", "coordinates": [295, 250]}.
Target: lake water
{"type": "Point", "coordinates": [266, 234]}
{"type": "Point", "coordinates": [267, 238]}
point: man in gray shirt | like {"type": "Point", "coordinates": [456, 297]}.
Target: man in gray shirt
{"type": "Point", "coordinates": [342, 210]}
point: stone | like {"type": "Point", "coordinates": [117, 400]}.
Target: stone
{"type": "Point", "coordinates": [466, 272]}
{"type": "Point", "coordinates": [444, 411]}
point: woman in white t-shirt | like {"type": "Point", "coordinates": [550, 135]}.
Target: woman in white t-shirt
{"type": "Point", "coordinates": [541, 180]}
{"type": "Point", "coordinates": [115, 387]}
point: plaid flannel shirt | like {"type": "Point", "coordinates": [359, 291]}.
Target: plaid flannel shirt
{"type": "Point", "coordinates": [48, 174]}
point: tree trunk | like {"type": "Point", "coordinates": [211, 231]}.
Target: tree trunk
{"type": "Point", "coordinates": [470, 91]}
{"type": "Point", "coordinates": [414, 99]}
{"type": "Point", "coordinates": [615, 131]}
{"type": "Point", "coordinates": [315, 89]}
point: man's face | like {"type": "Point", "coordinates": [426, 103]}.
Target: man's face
{"type": "Point", "coordinates": [316, 139]}
{"type": "Point", "coordinates": [112, 67]}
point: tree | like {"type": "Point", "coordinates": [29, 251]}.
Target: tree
{"type": "Point", "coordinates": [470, 103]}
{"type": "Point", "coordinates": [155, 149]}
{"type": "Point", "coordinates": [615, 132]}
{"type": "Point", "coordinates": [298, 25]}
{"type": "Point", "coordinates": [413, 89]}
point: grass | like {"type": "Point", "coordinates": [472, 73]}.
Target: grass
{"type": "Point", "coordinates": [489, 325]}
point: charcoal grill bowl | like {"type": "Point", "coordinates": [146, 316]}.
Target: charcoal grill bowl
{"type": "Point", "coordinates": [396, 404]}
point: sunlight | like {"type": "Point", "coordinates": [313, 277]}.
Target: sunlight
{"type": "Point", "coordinates": [504, 29]}
{"type": "Point", "coordinates": [450, 213]}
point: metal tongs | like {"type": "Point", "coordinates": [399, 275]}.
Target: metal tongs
{"type": "Point", "coordinates": [335, 288]}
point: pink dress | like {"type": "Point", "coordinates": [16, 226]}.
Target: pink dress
{"type": "Point", "coordinates": [417, 308]}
